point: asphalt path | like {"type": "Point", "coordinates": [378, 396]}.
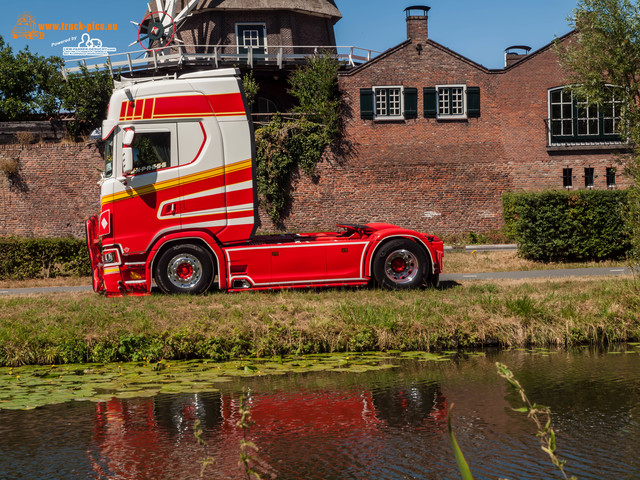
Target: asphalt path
{"type": "Point", "coordinates": [445, 278]}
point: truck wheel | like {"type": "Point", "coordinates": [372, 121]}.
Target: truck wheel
{"type": "Point", "coordinates": [400, 265]}
{"type": "Point", "coordinates": [184, 269]}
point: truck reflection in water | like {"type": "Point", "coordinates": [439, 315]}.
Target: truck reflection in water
{"type": "Point", "coordinates": [153, 437]}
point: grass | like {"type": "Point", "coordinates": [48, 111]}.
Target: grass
{"type": "Point", "coordinates": [82, 327]}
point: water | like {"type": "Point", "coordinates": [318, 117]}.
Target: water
{"type": "Point", "coordinates": [388, 424]}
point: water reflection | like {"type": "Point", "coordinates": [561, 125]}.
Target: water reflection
{"type": "Point", "coordinates": [376, 425]}
{"type": "Point", "coordinates": [129, 435]}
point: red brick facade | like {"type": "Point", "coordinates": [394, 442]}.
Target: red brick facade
{"type": "Point", "coordinates": [446, 176]}
{"type": "Point", "coordinates": [433, 175]}
{"type": "Point", "coordinates": [54, 191]}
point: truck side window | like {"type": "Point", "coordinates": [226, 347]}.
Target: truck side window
{"type": "Point", "coordinates": [108, 156]}
{"type": "Point", "coordinates": [151, 151]}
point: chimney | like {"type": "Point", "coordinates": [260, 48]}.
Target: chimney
{"type": "Point", "coordinates": [417, 23]}
{"type": "Point", "coordinates": [511, 56]}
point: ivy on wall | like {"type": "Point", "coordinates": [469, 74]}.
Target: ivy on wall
{"type": "Point", "coordinates": [285, 146]}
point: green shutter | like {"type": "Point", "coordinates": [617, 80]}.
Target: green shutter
{"type": "Point", "coordinates": [410, 102]}
{"type": "Point", "coordinates": [430, 95]}
{"type": "Point", "coordinates": [366, 103]}
{"type": "Point", "coordinates": [473, 102]}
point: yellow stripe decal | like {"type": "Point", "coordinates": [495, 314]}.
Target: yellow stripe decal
{"type": "Point", "coordinates": [174, 182]}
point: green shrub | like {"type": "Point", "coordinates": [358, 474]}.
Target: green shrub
{"type": "Point", "coordinates": [559, 225]}
{"type": "Point", "coordinates": [23, 258]}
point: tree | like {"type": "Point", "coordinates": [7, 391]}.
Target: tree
{"type": "Point", "coordinates": [87, 94]}
{"type": "Point", "coordinates": [605, 50]}
{"type": "Point", "coordinates": [29, 83]}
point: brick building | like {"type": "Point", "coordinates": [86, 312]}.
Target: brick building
{"type": "Point", "coordinates": [437, 139]}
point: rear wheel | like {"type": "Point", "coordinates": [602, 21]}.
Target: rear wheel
{"type": "Point", "coordinates": [184, 269]}
{"type": "Point", "coordinates": [400, 264]}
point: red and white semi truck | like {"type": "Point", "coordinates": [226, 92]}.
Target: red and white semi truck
{"type": "Point", "coordinates": [179, 204]}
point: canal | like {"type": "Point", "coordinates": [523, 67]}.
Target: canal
{"type": "Point", "coordinates": [380, 424]}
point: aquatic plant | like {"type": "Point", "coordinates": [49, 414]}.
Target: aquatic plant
{"type": "Point", "coordinates": [540, 415]}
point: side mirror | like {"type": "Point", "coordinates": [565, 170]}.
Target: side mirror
{"type": "Point", "coordinates": [127, 159]}
{"type": "Point", "coordinates": [129, 134]}
{"type": "Point", "coordinates": [127, 151]}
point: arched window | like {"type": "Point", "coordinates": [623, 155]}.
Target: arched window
{"type": "Point", "coordinates": [573, 120]}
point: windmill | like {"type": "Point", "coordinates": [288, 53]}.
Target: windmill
{"type": "Point", "coordinates": [158, 28]}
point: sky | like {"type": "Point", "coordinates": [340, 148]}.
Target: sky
{"type": "Point", "coordinates": [478, 30]}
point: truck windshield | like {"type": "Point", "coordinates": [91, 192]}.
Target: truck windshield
{"type": "Point", "coordinates": [108, 156]}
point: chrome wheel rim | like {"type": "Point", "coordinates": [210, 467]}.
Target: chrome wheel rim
{"type": "Point", "coordinates": [184, 271]}
{"type": "Point", "coordinates": [401, 266]}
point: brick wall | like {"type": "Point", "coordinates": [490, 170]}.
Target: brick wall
{"type": "Point", "coordinates": [54, 192]}
{"type": "Point", "coordinates": [445, 176]}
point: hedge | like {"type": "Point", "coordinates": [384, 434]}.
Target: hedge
{"type": "Point", "coordinates": [559, 225]}
{"type": "Point", "coordinates": [22, 258]}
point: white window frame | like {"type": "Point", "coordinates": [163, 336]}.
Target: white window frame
{"type": "Point", "coordinates": [452, 116]}
{"type": "Point", "coordinates": [240, 45]}
{"type": "Point", "coordinates": [386, 116]}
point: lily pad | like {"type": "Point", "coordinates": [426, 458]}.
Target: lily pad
{"type": "Point", "coordinates": [35, 386]}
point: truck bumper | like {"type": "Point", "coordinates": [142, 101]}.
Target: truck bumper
{"type": "Point", "coordinates": [113, 279]}
{"type": "Point", "coordinates": [95, 256]}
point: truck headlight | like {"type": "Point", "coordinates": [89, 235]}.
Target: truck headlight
{"type": "Point", "coordinates": [109, 257]}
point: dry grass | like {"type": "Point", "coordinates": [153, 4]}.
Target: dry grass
{"type": "Point", "coordinates": [88, 327]}
{"type": "Point", "coordinates": [507, 261]}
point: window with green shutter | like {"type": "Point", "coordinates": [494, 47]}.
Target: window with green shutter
{"type": "Point", "coordinates": [473, 102]}
{"type": "Point", "coordinates": [451, 102]}
{"type": "Point", "coordinates": [410, 102]}
{"type": "Point", "coordinates": [366, 103]}
{"type": "Point", "coordinates": [430, 100]}
{"type": "Point", "coordinates": [388, 103]}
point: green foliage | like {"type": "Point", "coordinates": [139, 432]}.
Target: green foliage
{"type": "Point", "coordinates": [22, 258]}
{"type": "Point", "coordinates": [606, 51]}
{"type": "Point", "coordinates": [315, 86]}
{"type": "Point", "coordinates": [29, 83]}
{"type": "Point", "coordinates": [465, 471]}
{"type": "Point", "coordinates": [250, 87]}
{"type": "Point", "coordinates": [283, 146]}
{"type": "Point", "coordinates": [558, 225]}
{"type": "Point", "coordinates": [87, 94]}
{"type": "Point", "coordinates": [540, 415]}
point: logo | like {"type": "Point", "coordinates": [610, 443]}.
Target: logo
{"type": "Point", "coordinates": [88, 47]}
{"type": "Point", "coordinates": [26, 27]}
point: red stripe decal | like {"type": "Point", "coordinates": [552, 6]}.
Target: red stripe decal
{"type": "Point", "coordinates": [227, 104]}
{"type": "Point", "coordinates": [185, 106]}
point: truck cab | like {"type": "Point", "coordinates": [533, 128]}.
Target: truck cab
{"type": "Point", "coordinates": [178, 204]}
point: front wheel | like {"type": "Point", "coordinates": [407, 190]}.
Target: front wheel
{"type": "Point", "coordinates": [184, 269]}
{"type": "Point", "coordinates": [400, 264]}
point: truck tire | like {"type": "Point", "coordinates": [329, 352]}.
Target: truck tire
{"type": "Point", "coordinates": [184, 269]}
{"type": "Point", "coordinates": [400, 265]}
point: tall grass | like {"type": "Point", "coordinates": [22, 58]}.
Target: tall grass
{"type": "Point", "coordinates": [67, 328]}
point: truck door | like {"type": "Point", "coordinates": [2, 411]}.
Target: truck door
{"type": "Point", "coordinates": [148, 201]}
{"type": "Point", "coordinates": [202, 179]}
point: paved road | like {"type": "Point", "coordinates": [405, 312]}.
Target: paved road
{"type": "Point", "coordinates": [568, 272]}
{"type": "Point", "coordinates": [448, 277]}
